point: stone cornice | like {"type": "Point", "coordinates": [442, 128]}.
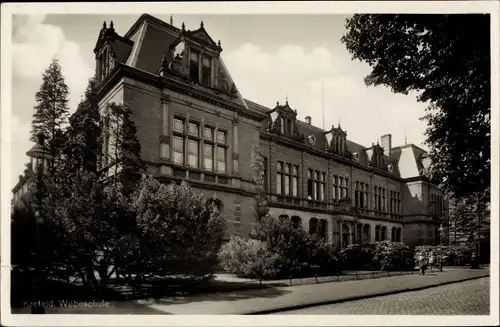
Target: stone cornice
{"type": "Point", "coordinates": [331, 156]}
{"type": "Point", "coordinates": [121, 70]}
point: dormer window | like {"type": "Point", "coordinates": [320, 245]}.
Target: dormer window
{"type": "Point", "coordinates": [282, 125]}
{"type": "Point", "coordinates": [194, 68]}
{"type": "Point", "coordinates": [206, 72]}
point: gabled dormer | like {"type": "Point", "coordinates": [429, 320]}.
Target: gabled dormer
{"type": "Point", "coordinates": [283, 121]}
{"type": "Point", "coordinates": [336, 141]}
{"type": "Point", "coordinates": [110, 48]}
{"type": "Point", "coordinates": [377, 156]}
{"type": "Point", "coordinates": [193, 55]}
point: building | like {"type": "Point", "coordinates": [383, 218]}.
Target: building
{"type": "Point", "coordinates": [194, 124]}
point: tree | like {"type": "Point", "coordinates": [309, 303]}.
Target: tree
{"type": "Point", "coordinates": [446, 59]}
{"type": "Point", "coordinates": [82, 147]}
{"type": "Point", "coordinates": [177, 233]}
{"type": "Point", "coordinates": [257, 164]}
{"type": "Point", "coordinates": [123, 150]}
{"type": "Point", "coordinates": [51, 111]}
{"type": "Point", "coordinates": [469, 220]}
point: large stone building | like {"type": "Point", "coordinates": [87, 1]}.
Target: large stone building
{"type": "Point", "coordinates": [194, 124]}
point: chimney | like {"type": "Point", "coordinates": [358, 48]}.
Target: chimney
{"type": "Point", "coordinates": [386, 144]}
{"type": "Point", "coordinates": [308, 120]}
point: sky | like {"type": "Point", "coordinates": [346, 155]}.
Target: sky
{"type": "Point", "coordinates": [270, 58]}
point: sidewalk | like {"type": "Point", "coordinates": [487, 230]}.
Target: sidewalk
{"type": "Point", "coordinates": [273, 299]}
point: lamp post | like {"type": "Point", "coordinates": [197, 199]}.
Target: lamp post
{"type": "Point", "coordinates": [441, 234]}
{"type": "Point", "coordinates": [40, 156]}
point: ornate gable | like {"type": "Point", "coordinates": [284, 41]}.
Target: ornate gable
{"type": "Point", "coordinates": [198, 37]}
{"type": "Point", "coordinates": [282, 121]}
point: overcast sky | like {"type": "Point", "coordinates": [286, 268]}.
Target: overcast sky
{"type": "Point", "coordinates": [268, 56]}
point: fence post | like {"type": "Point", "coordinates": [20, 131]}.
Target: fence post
{"type": "Point", "coordinates": [388, 273]}
{"type": "Point", "coordinates": [356, 275]}
{"type": "Point", "coordinates": [373, 275]}
{"type": "Point", "coordinates": [290, 280]}
{"type": "Point", "coordinates": [338, 277]}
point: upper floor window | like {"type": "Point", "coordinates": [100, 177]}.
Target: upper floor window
{"type": "Point", "coordinates": [194, 67]}
{"type": "Point", "coordinates": [206, 72]}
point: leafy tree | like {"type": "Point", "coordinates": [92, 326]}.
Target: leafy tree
{"type": "Point", "coordinates": [446, 59]}
{"type": "Point", "coordinates": [51, 111]}
{"type": "Point", "coordinates": [469, 219]}
{"type": "Point", "coordinates": [178, 234]}
{"type": "Point", "coordinates": [257, 164]}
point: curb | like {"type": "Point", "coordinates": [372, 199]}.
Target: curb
{"type": "Point", "coordinates": [359, 297]}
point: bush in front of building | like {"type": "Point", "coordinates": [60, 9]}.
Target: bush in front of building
{"type": "Point", "coordinates": [178, 235]}
{"type": "Point", "coordinates": [393, 256]}
{"type": "Point", "coordinates": [383, 255]}
{"type": "Point", "coordinates": [248, 258]}
{"type": "Point", "coordinates": [278, 250]}
{"type": "Point", "coordinates": [358, 257]}
{"type": "Point", "coordinates": [453, 255]}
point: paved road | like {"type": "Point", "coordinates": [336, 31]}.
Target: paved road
{"type": "Point", "coordinates": [465, 298]}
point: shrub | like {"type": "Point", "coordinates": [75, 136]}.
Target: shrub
{"type": "Point", "coordinates": [278, 250]}
{"type": "Point", "coordinates": [393, 256]}
{"type": "Point", "coordinates": [453, 255]}
{"type": "Point", "coordinates": [377, 256]}
{"type": "Point", "coordinates": [178, 234]}
{"type": "Point", "coordinates": [358, 257]}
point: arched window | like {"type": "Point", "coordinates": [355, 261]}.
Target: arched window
{"type": "Point", "coordinates": [377, 234]}
{"type": "Point", "coordinates": [393, 234]}
{"type": "Point", "coordinates": [383, 233]}
{"type": "Point", "coordinates": [366, 233]}
{"type": "Point", "coordinates": [345, 236]}
{"type": "Point", "coordinates": [217, 203]}
{"type": "Point", "coordinates": [323, 227]}
{"type": "Point", "coordinates": [283, 217]}
{"type": "Point", "coordinates": [313, 226]}
{"type": "Point", "coordinates": [398, 235]}
{"type": "Point", "coordinates": [296, 221]}
{"type": "Point", "coordinates": [359, 232]}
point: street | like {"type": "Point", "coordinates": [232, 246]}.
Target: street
{"type": "Point", "coordinates": [465, 298]}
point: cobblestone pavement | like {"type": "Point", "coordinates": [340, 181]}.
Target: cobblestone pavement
{"type": "Point", "coordinates": [465, 298]}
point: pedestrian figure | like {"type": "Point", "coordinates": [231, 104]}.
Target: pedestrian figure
{"type": "Point", "coordinates": [421, 264]}
{"type": "Point", "coordinates": [431, 261]}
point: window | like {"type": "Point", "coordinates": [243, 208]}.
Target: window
{"type": "Point", "coordinates": [359, 232]}
{"type": "Point", "coordinates": [356, 195]}
{"type": "Point", "coordinates": [209, 134]}
{"type": "Point", "coordinates": [316, 183]}
{"type": "Point", "coordinates": [336, 188]}
{"type": "Point", "coordinates": [194, 67]}
{"type": "Point", "coordinates": [282, 125]}
{"type": "Point", "coordinates": [221, 159]}
{"type": "Point", "coordinates": [295, 181]}
{"type": "Point", "coordinates": [296, 221]}
{"type": "Point", "coordinates": [193, 153]}
{"type": "Point", "coordinates": [323, 226]}
{"type": "Point", "coordinates": [206, 72]}
{"type": "Point", "coordinates": [377, 233]}
{"type": "Point", "coordinates": [279, 177]}
{"type": "Point", "coordinates": [178, 125]}
{"type": "Point", "coordinates": [383, 200]}
{"type": "Point", "coordinates": [208, 157]}
{"type": "Point", "coordinates": [194, 129]}
{"type": "Point", "coordinates": [178, 150]}
{"type": "Point", "coordinates": [383, 233]}
{"type": "Point", "coordinates": [313, 226]}
{"type": "Point", "coordinates": [221, 151]}
{"type": "Point", "coordinates": [366, 234]}
{"type": "Point", "coordinates": [221, 137]}
{"type": "Point", "coordinates": [310, 185]}
{"type": "Point", "coordinates": [393, 234]}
